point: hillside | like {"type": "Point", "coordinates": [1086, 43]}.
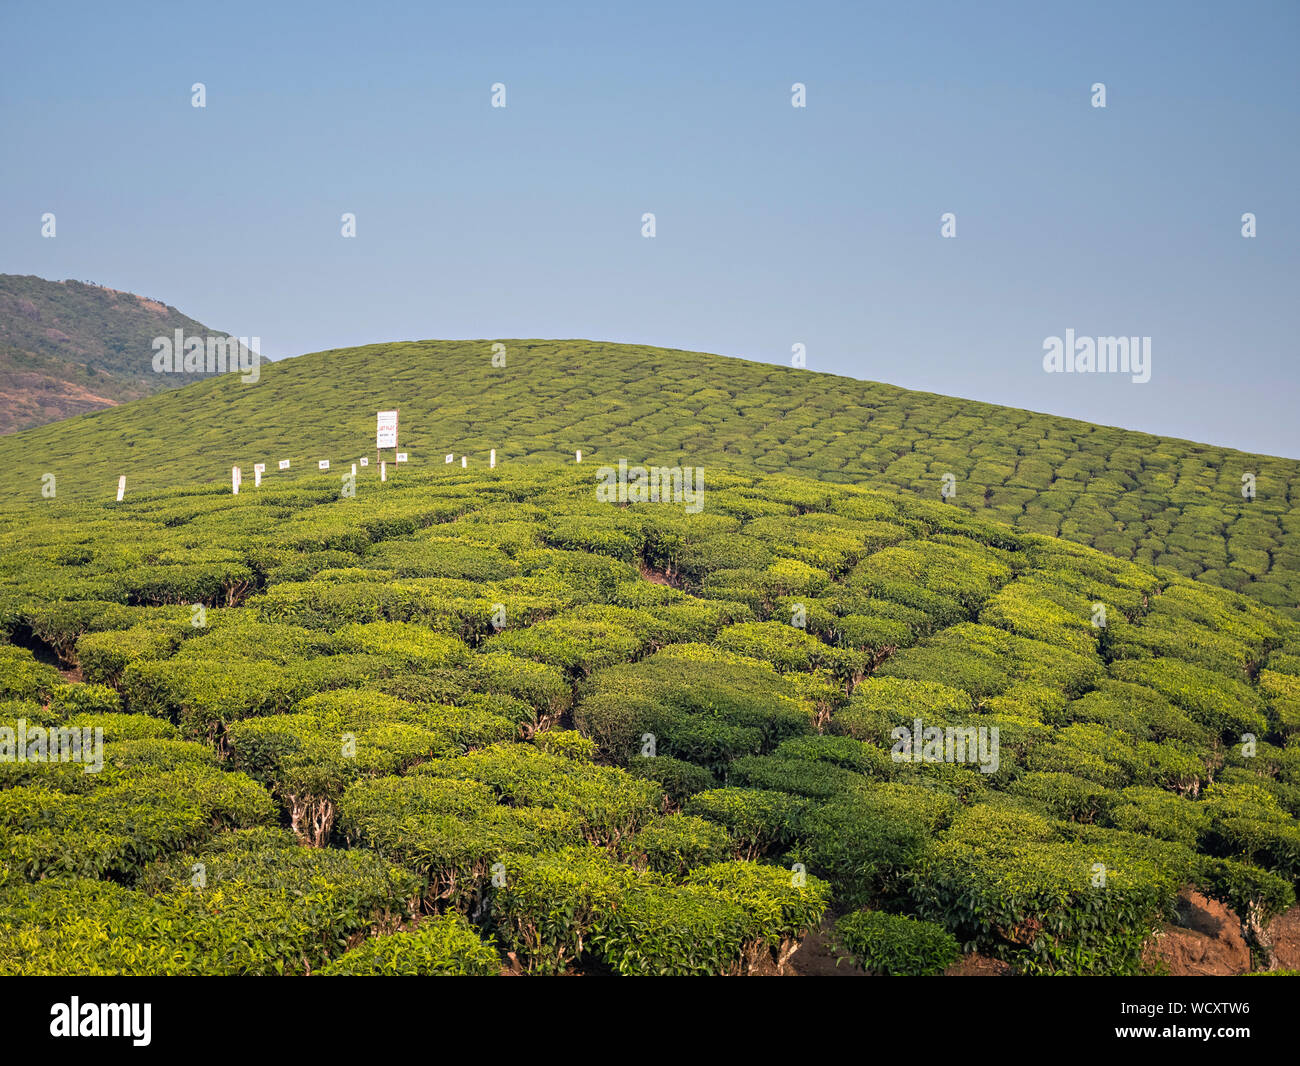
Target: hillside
{"type": "Point", "coordinates": [1147, 499]}
{"type": "Point", "coordinates": [469, 713]}
{"type": "Point", "coordinates": [67, 347]}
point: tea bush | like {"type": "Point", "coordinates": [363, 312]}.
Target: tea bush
{"type": "Point", "coordinates": [895, 945]}
{"type": "Point", "coordinates": [444, 946]}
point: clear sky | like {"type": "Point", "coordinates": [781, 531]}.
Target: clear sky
{"type": "Point", "coordinates": [775, 225]}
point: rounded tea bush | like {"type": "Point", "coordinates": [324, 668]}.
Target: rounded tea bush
{"type": "Point", "coordinates": [446, 946]}
{"type": "Point", "coordinates": [894, 945]}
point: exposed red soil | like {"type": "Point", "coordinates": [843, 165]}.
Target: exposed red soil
{"type": "Point", "coordinates": [1207, 940]}
{"type": "Point", "coordinates": [1286, 940]}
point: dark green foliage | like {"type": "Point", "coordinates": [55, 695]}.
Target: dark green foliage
{"type": "Point", "coordinates": [761, 822]}
{"type": "Point", "coordinates": [894, 945]}
{"type": "Point", "coordinates": [679, 779]}
{"type": "Point", "coordinates": [864, 842]}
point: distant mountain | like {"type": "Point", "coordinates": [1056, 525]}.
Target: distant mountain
{"type": "Point", "coordinates": [67, 347]}
{"type": "Point", "coordinates": [1151, 500]}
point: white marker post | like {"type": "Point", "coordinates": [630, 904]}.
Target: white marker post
{"type": "Point", "coordinates": [354, 469]}
{"type": "Point", "coordinates": [464, 461]}
{"type": "Point", "coordinates": [578, 456]}
{"type": "Point", "coordinates": [258, 470]}
{"type": "Point", "coordinates": [235, 478]}
{"type": "Point", "coordinates": [385, 432]}
{"type": "Point", "coordinates": [121, 488]}
{"type": "Point", "coordinates": [383, 470]}
{"type": "Point", "coordinates": [492, 459]}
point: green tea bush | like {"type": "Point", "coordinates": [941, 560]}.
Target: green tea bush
{"type": "Point", "coordinates": [607, 803]}
{"type": "Point", "coordinates": [880, 704]}
{"type": "Point", "coordinates": [679, 779]}
{"type": "Point", "coordinates": [22, 677]}
{"type": "Point", "coordinates": [409, 645]}
{"type": "Point", "coordinates": [985, 661]}
{"type": "Point", "coordinates": [550, 905]}
{"type": "Point", "coordinates": [84, 699]}
{"type": "Point", "coordinates": [803, 777]}
{"type": "Point", "coordinates": [104, 656]}
{"type": "Point", "coordinates": [788, 648]}
{"type": "Point", "coordinates": [308, 758]}
{"type": "Point", "coordinates": [566, 742]}
{"type": "Point", "coordinates": [1224, 705]}
{"type": "Point", "coordinates": [721, 921]}
{"type": "Point", "coordinates": [676, 843]}
{"type": "Point", "coordinates": [864, 843]}
{"type": "Point", "coordinates": [120, 826]}
{"type": "Point", "coordinates": [894, 945]}
{"type": "Point", "coordinates": [452, 832]}
{"type": "Point", "coordinates": [760, 821]}
{"type": "Point", "coordinates": [1011, 884]}
{"type": "Point", "coordinates": [442, 946]}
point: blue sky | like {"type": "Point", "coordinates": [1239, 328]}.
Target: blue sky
{"type": "Point", "coordinates": [775, 225]}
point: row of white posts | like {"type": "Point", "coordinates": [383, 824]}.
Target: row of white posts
{"type": "Point", "coordinates": [237, 476]}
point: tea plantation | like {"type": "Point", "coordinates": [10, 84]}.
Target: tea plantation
{"type": "Point", "coordinates": [1150, 500]}
{"type": "Point", "coordinates": [472, 721]}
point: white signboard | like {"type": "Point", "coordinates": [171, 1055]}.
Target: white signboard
{"type": "Point", "coordinates": [450, 457]}
{"type": "Point", "coordinates": [386, 430]}
{"type": "Point", "coordinates": [284, 464]}
{"type": "Point", "coordinates": [365, 461]}
{"type": "Point", "coordinates": [401, 457]}
{"type": "Point", "coordinates": [324, 464]}
{"type": "Point", "coordinates": [259, 468]}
